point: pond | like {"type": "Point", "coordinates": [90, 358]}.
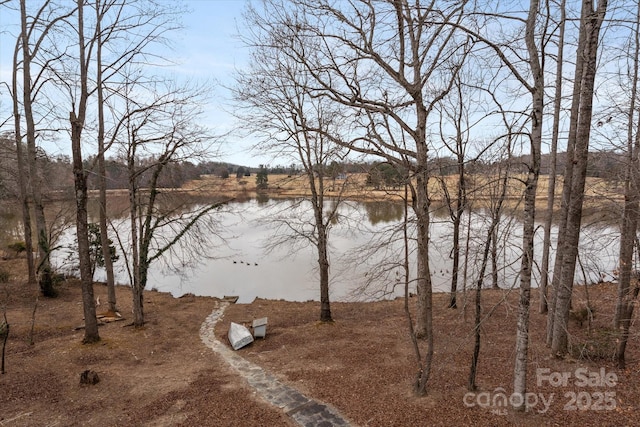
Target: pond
{"type": "Point", "coordinates": [365, 254]}
{"type": "Point", "coordinates": [244, 266]}
{"type": "Point", "coordinates": [358, 272]}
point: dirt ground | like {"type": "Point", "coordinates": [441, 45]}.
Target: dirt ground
{"type": "Point", "coordinates": [362, 364]}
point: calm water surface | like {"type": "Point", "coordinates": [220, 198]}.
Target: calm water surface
{"type": "Point", "coordinates": [243, 267]}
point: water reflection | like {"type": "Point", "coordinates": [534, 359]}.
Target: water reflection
{"type": "Point", "coordinates": [262, 199]}
{"type": "Point", "coordinates": [366, 249]}
{"type": "Point", "coordinates": [384, 211]}
{"type": "Point", "coordinates": [10, 225]}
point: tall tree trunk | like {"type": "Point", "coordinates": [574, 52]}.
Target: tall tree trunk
{"type": "Point", "coordinates": [102, 173]}
{"type": "Point", "coordinates": [45, 278]}
{"type": "Point", "coordinates": [528, 232]}
{"type": "Point", "coordinates": [24, 204]}
{"type": "Point", "coordinates": [461, 204]}
{"type": "Point", "coordinates": [145, 233]}
{"type": "Point", "coordinates": [475, 356]}
{"type": "Point", "coordinates": [590, 24]}
{"type": "Point", "coordinates": [136, 292]}
{"type": "Point", "coordinates": [323, 261]}
{"type": "Point", "coordinates": [138, 256]}
{"type": "Point", "coordinates": [86, 278]}
{"type": "Point", "coordinates": [494, 259]}
{"type": "Point", "coordinates": [551, 190]}
{"type": "Point", "coordinates": [566, 192]}
{"type": "Point", "coordinates": [80, 179]}
{"type": "Point", "coordinates": [138, 289]}
{"type": "Point", "coordinates": [629, 226]}
{"type": "Point", "coordinates": [420, 204]}
{"type": "Point", "coordinates": [407, 310]}
{"type": "Point", "coordinates": [316, 184]}
{"type": "Point", "coordinates": [23, 177]}
{"type": "Point", "coordinates": [424, 307]}
{"type": "Point", "coordinates": [455, 253]}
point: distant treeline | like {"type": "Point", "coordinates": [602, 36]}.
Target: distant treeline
{"type": "Point", "coordinates": [58, 175]}
{"type": "Point", "coordinates": [602, 164]}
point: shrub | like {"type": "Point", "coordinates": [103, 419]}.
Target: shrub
{"type": "Point", "coordinates": [17, 247]}
{"type": "Point", "coordinates": [601, 345]}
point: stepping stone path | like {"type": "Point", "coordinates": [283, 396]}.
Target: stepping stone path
{"type": "Point", "coordinates": [302, 409]}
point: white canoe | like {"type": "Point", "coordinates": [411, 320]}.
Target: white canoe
{"type": "Point", "coordinates": [239, 336]}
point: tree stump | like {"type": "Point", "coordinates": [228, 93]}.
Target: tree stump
{"type": "Point", "coordinates": [89, 377]}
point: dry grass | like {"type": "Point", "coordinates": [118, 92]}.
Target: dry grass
{"type": "Point", "coordinates": [599, 195]}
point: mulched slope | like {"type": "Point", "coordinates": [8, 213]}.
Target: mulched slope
{"type": "Point", "coordinates": [363, 363]}
{"type": "Point", "coordinates": [160, 375]}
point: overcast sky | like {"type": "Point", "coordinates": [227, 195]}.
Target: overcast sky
{"type": "Point", "coordinates": [207, 49]}
{"type": "Point", "coordinates": [211, 50]}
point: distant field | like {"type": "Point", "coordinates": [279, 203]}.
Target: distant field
{"type": "Point", "coordinates": [481, 188]}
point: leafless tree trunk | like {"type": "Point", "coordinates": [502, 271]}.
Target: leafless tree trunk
{"type": "Point", "coordinates": [494, 259]}
{"type": "Point", "coordinates": [142, 23]}
{"type": "Point", "coordinates": [29, 50]}
{"type": "Point", "coordinates": [146, 223]}
{"type": "Point", "coordinates": [536, 54]}
{"type": "Point", "coordinates": [322, 223]}
{"type": "Point", "coordinates": [553, 153]}
{"type": "Point", "coordinates": [536, 89]}
{"type": "Point", "coordinates": [23, 177]}
{"type": "Point", "coordinates": [137, 280]}
{"type": "Point", "coordinates": [457, 113]}
{"type": "Point", "coordinates": [102, 173]}
{"type": "Point", "coordinates": [77, 119]}
{"type": "Point", "coordinates": [579, 134]}
{"type": "Point", "coordinates": [628, 228]}
{"type": "Point", "coordinates": [407, 310]}
{"type": "Point", "coordinates": [44, 265]}
{"type": "Point", "coordinates": [461, 205]}
{"type": "Point", "coordinates": [465, 269]}
{"type": "Point", "coordinates": [274, 100]}
{"type": "Point", "coordinates": [167, 125]}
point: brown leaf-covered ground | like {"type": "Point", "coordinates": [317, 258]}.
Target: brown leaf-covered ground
{"type": "Point", "coordinates": [362, 364]}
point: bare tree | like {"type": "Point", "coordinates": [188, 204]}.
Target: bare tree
{"type": "Point", "coordinates": [34, 32]}
{"type": "Point", "coordinates": [141, 26]}
{"type": "Point", "coordinates": [77, 117]}
{"type": "Point", "coordinates": [534, 41]}
{"type": "Point", "coordinates": [276, 106]}
{"type": "Point", "coordinates": [44, 268]}
{"type": "Point", "coordinates": [536, 54]}
{"type": "Point", "coordinates": [102, 184]}
{"type": "Point", "coordinates": [629, 227]}
{"type": "Point", "coordinates": [116, 25]}
{"type": "Point", "coordinates": [458, 112]}
{"type": "Point", "coordinates": [22, 171]}
{"type": "Point", "coordinates": [551, 190]}
{"type": "Point", "coordinates": [501, 184]}
{"type": "Point", "coordinates": [162, 120]}
{"type": "Point", "coordinates": [388, 64]}
{"type": "Point", "coordinates": [575, 172]}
